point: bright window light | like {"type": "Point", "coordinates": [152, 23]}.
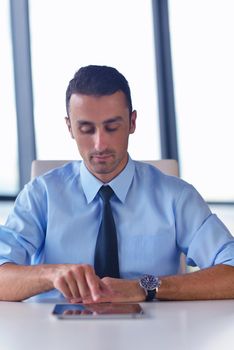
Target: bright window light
{"type": "Point", "coordinates": [203, 56]}
{"type": "Point", "coordinates": [66, 35]}
{"type": "Point", "coordinates": [9, 176]}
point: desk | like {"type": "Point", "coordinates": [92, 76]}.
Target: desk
{"type": "Point", "coordinates": [200, 325]}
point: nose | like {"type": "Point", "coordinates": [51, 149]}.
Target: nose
{"type": "Point", "coordinates": [100, 140]}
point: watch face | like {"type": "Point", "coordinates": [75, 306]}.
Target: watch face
{"type": "Point", "coordinates": [149, 282]}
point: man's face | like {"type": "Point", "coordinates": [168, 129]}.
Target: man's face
{"type": "Point", "coordinates": [101, 127]}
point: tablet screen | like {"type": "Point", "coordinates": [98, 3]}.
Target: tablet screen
{"type": "Point", "coordinates": [101, 310]}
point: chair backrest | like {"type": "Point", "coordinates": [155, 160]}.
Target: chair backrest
{"type": "Point", "coordinates": [39, 167]}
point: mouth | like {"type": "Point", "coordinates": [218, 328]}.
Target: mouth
{"type": "Point", "coordinates": [101, 158]}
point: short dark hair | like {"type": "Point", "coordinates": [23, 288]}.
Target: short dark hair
{"type": "Point", "coordinates": [98, 81]}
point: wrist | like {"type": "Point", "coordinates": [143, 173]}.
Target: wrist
{"type": "Point", "coordinates": [135, 292]}
{"type": "Point", "coordinates": [140, 292]}
{"type": "Point", "coordinates": [46, 274]}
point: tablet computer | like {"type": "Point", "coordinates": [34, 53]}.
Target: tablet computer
{"type": "Point", "coordinates": [99, 310]}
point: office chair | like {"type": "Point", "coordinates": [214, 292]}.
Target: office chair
{"type": "Point", "coordinates": [39, 167]}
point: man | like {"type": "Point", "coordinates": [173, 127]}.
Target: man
{"type": "Point", "coordinates": [50, 241]}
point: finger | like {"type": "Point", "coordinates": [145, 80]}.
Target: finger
{"type": "Point", "coordinates": [82, 285]}
{"type": "Point", "coordinates": [61, 284]}
{"type": "Point", "coordinates": [94, 283]}
{"type": "Point", "coordinates": [75, 300]}
{"type": "Point", "coordinates": [72, 285]}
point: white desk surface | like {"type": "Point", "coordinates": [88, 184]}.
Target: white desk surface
{"type": "Point", "coordinates": [200, 325]}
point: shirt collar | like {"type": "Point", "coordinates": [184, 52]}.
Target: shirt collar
{"type": "Point", "coordinates": [120, 184]}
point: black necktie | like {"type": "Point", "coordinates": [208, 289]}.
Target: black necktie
{"type": "Point", "coordinates": [106, 261]}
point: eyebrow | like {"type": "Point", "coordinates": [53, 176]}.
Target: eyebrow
{"type": "Point", "coordinates": [108, 121]}
{"type": "Point", "coordinates": [113, 120]}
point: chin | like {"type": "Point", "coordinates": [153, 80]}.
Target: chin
{"type": "Point", "coordinates": [101, 169]}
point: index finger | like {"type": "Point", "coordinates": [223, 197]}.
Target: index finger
{"type": "Point", "coordinates": [94, 283]}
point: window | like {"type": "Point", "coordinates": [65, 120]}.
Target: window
{"type": "Point", "coordinates": [77, 33]}
{"type": "Point", "coordinates": [9, 177]}
{"type": "Point", "coordinates": [203, 56]}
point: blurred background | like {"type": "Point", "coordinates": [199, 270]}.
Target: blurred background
{"type": "Point", "coordinates": [177, 56]}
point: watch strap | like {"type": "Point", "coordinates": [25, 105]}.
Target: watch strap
{"type": "Point", "coordinates": [150, 295]}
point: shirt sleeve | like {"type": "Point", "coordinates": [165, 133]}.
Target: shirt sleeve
{"type": "Point", "coordinates": [22, 237]}
{"type": "Point", "coordinates": [201, 235]}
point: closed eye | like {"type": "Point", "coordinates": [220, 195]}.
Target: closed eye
{"type": "Point", "coordinates": [113, 124]}
{"type": "Point", "coordinates": [112, 127]}
{"type": "Point", "coordinates": [87, 128]}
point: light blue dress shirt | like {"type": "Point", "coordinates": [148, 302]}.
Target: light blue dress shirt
{"type": "Point", "coordinates": [56, 219]}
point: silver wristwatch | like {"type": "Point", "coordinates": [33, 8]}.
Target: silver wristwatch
{"type": "Point", "coordinates": [150, 284]}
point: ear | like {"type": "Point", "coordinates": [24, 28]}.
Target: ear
{"type": "Point", "coordinates": [133, 122]}
{"type": "Point", "coordinates": [68, 122]}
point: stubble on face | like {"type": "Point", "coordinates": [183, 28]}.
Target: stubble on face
{"type": "Point", "coordinates": [107, 157]}
{"type": "Point", "coordinates": [105, 162]}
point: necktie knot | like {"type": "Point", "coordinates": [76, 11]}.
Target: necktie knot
{"type": "Point", "coordinates": [106, 193]}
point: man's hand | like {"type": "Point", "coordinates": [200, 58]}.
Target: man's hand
{"type": "Point", "coordinates": [79, 283]}
{"type": "Point", "coordinates": [123, 290]}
